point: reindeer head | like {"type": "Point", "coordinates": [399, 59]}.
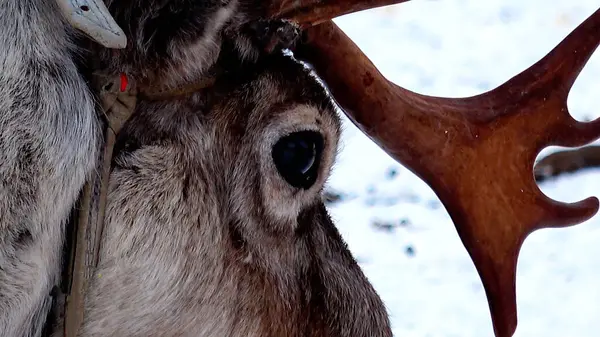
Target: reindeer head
{"type": "Point", "coordinates": [215, 223]}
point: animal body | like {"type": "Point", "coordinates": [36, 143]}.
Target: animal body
{"type": "Point", "coordinates": [49, 137]}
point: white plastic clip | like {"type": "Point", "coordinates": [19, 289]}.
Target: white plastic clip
{"type": "Point", "coordinates": [93, 18]}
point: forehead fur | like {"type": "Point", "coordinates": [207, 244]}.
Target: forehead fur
{"type": "Point", "coordinates": [274, 79]}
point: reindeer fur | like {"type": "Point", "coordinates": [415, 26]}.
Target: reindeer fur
{"type": "Point", "coordinates": [49, 140]}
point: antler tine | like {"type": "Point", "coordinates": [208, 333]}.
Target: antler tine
{"type": "Point", "coordinates": [476, 153]}
{"type": "Point", "coordinates": [313, 12]}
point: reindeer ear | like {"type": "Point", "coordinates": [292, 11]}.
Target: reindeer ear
{"type": "Point", "coordinates": [93, 18]}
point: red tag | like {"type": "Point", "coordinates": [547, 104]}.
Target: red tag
{"type": "Point", "coordinates": [124, 81]}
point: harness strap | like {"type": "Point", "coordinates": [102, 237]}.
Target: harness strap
{"type": "Point", "coordinates": [168, 93]}
{"type": "Point", "coordinates": [118, 99]}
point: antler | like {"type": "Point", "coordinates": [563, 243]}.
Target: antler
{"type": "Point", "coordinates": [313, 12]}
{"type": "Point", "coordinates": [476, 153]}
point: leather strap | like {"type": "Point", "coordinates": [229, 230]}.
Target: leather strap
{"type": "Point", "coordinates": [118, 103]}
{"type": "Point", "coordinates": [168, 93]}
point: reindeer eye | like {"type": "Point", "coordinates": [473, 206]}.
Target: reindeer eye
{"type": "Point", "coordinates": [297, 156]}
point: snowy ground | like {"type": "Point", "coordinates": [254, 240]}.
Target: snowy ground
{"type": "Point", "coordinates": [394, 223]}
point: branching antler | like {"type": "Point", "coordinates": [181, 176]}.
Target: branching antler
{"type": "Point", "coordinates": [476, 153]}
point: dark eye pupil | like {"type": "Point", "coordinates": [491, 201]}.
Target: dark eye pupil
{"type": "Point", "coordinates": [297, 157]}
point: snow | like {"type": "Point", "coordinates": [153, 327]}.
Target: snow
{"type": "Point", "coordinates": [393, 222]}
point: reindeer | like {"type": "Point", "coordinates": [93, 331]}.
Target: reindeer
{"type": "Point", "coordinates": [461, 147]}
{"type": "Point", "coordinates": [49, 139]}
